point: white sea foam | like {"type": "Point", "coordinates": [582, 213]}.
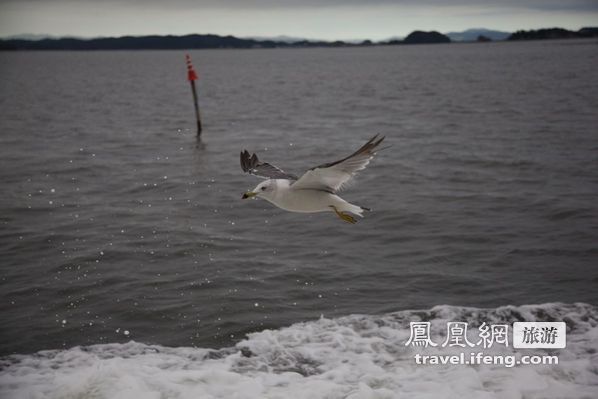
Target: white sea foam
{"type": "Point", "coordinates": [358, 356]}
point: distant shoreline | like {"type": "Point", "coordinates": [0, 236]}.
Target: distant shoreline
{"type": "Point", "coordinates": [209, 41]}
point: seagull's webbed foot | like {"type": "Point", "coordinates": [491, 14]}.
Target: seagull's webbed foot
{"type": "Point", "coordinates": [344, 215]}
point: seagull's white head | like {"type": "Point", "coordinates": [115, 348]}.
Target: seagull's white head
{"type": "Point", "coordinates": [264, 190]}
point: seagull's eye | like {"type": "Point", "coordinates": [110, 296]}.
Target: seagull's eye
{"type": "Point", "coordinates": [263, 188]}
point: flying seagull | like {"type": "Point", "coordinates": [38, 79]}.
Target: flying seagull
{"type": "Point", "coordinates": [316, 190]}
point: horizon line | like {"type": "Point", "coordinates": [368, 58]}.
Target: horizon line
{"type": "Point", "coordinates": [43, 36]}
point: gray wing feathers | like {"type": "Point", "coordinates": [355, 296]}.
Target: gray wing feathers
{"type": "Point", "coordinates": [252, 165]}
{"type": "Point", "coordinates": [333, 176]}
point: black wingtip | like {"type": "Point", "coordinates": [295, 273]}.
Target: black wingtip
{"type": "Point", "coordinates": [371, 145]}
{"type": "Point", "coordinates": [375, 142]}
{"type": "Point", "coordinates": [246, 160]}
{"type": "Point", "coordinates": [242, 158]}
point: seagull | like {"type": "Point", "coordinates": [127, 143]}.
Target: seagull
{"type": "Point", "coordinates": [316, 190]}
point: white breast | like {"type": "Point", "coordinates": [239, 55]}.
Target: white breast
{"type": "Point", "coordinates": [305, 200]}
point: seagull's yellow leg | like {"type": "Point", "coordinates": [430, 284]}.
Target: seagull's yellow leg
{"type": "Point", "coordinates": [344, 216]}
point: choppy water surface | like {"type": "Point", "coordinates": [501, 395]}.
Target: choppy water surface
{"type": "Point", "coordinates": [117, 225]}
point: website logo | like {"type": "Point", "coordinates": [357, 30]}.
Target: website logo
{"type": "Point", "coordinates": [539, 334]}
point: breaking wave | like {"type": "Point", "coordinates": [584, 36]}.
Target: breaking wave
{"type": "Point", "coordinates": [356, 356]}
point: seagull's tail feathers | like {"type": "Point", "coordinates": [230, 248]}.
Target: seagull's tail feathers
{"type": "Point", "coordinates": [354, 209]}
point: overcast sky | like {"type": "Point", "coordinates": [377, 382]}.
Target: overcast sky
{"type": "Point", "coordinates": [325, 19]}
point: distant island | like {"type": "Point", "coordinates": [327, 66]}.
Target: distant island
{"type": "Point", "coordinates": [553, 33]}
{"type": "Point", "coordinates": [209, 41]}
{"type": "Point", "coordinates": [472, 35]}
{"type": "Point", "coordinates": [198, 42]}
{"type": "Point", "coordinates": [419, 37]}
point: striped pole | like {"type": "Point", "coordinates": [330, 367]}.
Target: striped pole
{"type": "Point", "coordinates": [192, 77]}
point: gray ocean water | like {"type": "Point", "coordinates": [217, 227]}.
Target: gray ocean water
{"type": "Point", "coordinates": [116, 224]}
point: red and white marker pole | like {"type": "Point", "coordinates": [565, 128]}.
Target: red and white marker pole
{"type": "Point", "coordinates": [192, 77]}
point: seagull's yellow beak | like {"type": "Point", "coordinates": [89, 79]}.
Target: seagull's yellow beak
{"type": "Point", "coordinates": [248, 194]}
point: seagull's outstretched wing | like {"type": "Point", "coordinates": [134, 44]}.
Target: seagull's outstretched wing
{"type": "Point", "coordinates": [252, 165]}
{"type": "Point", "coordinates": [333, 176]}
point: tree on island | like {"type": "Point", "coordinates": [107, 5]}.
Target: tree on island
{"type": "Point", "coordinates": [420, 37]}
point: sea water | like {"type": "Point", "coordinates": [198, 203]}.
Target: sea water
{"type": "Point", "coordinates": [131, 266]}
